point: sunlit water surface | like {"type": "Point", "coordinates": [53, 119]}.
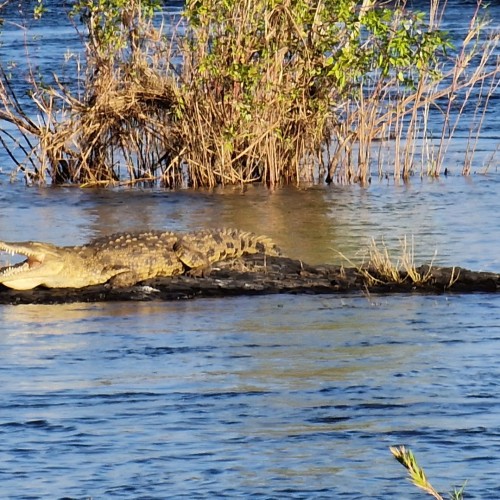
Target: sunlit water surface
{"type": "Point", "coordinates": [282, 397]}
{"type": "Point", "coordinates": [261, 397]}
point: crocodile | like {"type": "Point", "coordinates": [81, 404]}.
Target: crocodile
{"type": "Point", "coordinates": [124, 259]}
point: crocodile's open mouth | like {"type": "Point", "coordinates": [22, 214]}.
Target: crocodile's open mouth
{"type": "Point", "coordinates": [23, 266]}
{"type": "Point", "coordinates": [26, 261]}
{"type": "Point", "coordinates": [29, 262]}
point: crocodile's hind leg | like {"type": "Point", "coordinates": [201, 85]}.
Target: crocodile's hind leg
{"type": "Point", "coordinates": [194, 256]}
{"type": "Point", "coordinates": [198, 250]}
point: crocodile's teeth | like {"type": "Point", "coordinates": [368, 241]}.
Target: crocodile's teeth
{"type": "Point", "coordinates": [16, 268]}
{"type": "Point", "coordinates": [29, 263]}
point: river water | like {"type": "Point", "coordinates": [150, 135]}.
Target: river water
{"type": "Point", "coordinates": [256, 397]}
{"type": "Point", "coordinates": [286, 396]}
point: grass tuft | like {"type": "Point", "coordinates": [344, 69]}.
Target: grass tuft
{"type": "Point", "coordinates": [384, 268]}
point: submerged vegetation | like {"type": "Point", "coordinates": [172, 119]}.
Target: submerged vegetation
{"type": "Point", "coordinates": [271, 91]}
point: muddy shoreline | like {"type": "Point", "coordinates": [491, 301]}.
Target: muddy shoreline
{"type": "Point", "coordinates": [258, 275]}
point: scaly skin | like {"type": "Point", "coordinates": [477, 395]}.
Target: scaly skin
{"type": "Point", "coordinates": [125, 259]}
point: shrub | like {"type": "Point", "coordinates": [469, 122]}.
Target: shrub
{"type": "Point", "coordinates": [271, 91]}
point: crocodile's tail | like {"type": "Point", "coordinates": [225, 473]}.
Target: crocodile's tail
{"type": "Point", "coordinates": [200, 249]}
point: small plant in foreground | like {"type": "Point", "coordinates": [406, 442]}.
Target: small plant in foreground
{"type": "Point", "coordinates": [417, 475]}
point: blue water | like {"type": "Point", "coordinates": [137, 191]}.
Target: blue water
{"type": "Point", "coordinates": [282, 397]}
{"type": "Point", "coordinates": [256, 397]}
{"type": "Point", "coordinates": [279, 397]}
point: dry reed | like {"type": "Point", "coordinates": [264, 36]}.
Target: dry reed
{"type": "Point", "coordinates": [381, 267]}
{"type": "Point", "coordinates": [249, 94]}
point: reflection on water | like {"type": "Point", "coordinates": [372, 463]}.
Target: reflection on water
{"type": "Point", "coordinates": [54, 320]}
{"type": "Point", "coordinates": [455, 217]}
{"type": "Point", "coordinates": [287, 397]}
